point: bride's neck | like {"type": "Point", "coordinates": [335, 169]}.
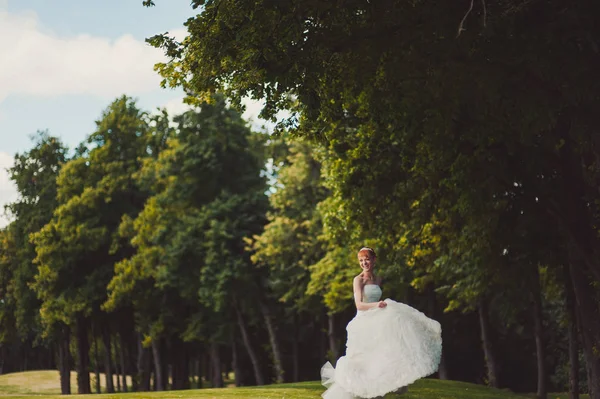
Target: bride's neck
{"type": "Point", "coordinates": [368, 275]}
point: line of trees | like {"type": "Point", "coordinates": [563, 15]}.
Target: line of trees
{"type": "Point", "coordinates": [132, 256]}
{"type": "Point", "coordinates": [158, 254]}
{"type": "Point", "coordinates": [125, 255]}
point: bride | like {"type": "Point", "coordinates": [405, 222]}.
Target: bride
{"type": "Point", "coordinates": [390, 345]}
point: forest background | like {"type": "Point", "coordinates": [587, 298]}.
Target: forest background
{"type": "Point", "coordinates": [457, 140]}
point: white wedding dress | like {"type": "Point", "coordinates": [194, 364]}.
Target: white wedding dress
{"type": "Point", "coordinates": [387, 349]}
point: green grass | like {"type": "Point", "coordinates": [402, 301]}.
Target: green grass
{"type": "Point", "coordinates": [42, 382]}
{"type": "Point", "coordinates": [31, 382]}
{"type": "Point", "coordinates": [45, 384]}
{"type": "Point", "coordinates": [560, 396]}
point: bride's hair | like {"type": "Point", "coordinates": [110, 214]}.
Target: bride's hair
{"type": "Point", "coordinates": [367, 250]}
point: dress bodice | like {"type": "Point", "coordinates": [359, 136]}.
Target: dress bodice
{"type": "Point", "coordinates": [371, 293]}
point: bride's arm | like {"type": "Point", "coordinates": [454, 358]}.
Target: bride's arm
{"type": "Point", "coordinates": [360, 305]}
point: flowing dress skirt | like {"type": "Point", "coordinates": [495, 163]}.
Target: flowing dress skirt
{"type": "Point", "coordinates": [387, 349]}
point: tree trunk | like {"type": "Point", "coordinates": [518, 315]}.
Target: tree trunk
{"type": "Point", "coordinates": [164, 360]}
{"type": "Point", "coordinates": [3, 355]}
{"type": "Point", "coordinates": [486, 340]}
{"type": "Point", "coordinates": [207, 368]}
{"type": "Point", "coordinates": [572, 211]}
{"type": "Point", "coordinates": [295, 355]}
{"type": "Point", "coordinates": [96, 360]}
{"type": "Point", "coordinates": [185, 367]}
{"type": "Point", "coordinates": [131, 358]}
{"type": "Point", "coordinates": [64, 363]}
{"type": "Point", "coordinates": [542, 389]}
{"type": "Point", "coordinates": [573, 360]}
{"type": "Point", "coordinates": [153, 373]}
{"type": "Point", "coordinates": [276, 352]}
{"type": "Point", "coordinates": [251, 353]}
{"type": "Point", "coordinates": [25, 357]}
{"type": "Point", "coordinates": [122, 359]}
{"type": "Point", "coordinates": [235, 364]}
{"type": "Point", "coordinates": [117, 367]}
{"type": "Point", "coordinates": [323, 337]}
{"type": "Point", "coordinates": [174, 368]}
{"type": "Point", "coordinates": [143, 366]}
{"type": "Point", "coordinates": [51, 360]}
{"type": "Point", "coordinates": [194, 363]}
{"type": "Point", "coordinates": [216, 377]}
{"type": "Point", "coordinates": [83, 347]}
{"type": "Point", "coordinates": [590, 327]}
{"type": "Point", "coordinates": [431, 301]}
{"type": "Point", "coordinates": [443, 369]}
{"type": "Point", "coordinates": [158, 369]}
{"type": "Point", "coordinates": [108, 372]}
{"type": "Point", "coordinates": [333, 347]}
{"type": "Point", "coordinates": [198, 373]}
{"type": "Point", "coordinates": [180, 365]}
{"type": "Point", "coordinates": [432, 310]}
{"type": "Point", "coordinates": [571, 312]}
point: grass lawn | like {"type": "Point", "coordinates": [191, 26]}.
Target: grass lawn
{"type": "Point", "coordinates": [43, 382]}
{"type": "Point", "coordinates": [33, 384]}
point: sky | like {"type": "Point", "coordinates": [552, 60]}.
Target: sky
{"type": "Point", "coordinates": [64, 61]}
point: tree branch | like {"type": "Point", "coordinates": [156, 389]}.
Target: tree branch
{"type": "Point", "coordinates": [484, 13]}
{"type": "Point", "coordinates": [462, 22]}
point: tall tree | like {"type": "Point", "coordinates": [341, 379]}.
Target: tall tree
{"type": "Point", "coordinates": [290, 243]}
{"type": "Point", "coordinates": [74, 256]}
{"type": "Point", "coordinates": [34, 174]}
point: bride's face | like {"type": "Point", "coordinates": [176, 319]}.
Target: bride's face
{"type": "Point", "coordinates": [367, 262]}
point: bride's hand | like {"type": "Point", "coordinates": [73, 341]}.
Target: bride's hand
{"type": "Point", "coordinates": [381, 304]}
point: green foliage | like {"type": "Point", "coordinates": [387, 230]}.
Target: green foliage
{"type": "Point", "coordinates": [291, 242]}
{"type": "Point", "coordinates": [95, 190]}
{"type": "Point", "coordinates": [419, 129]}
{"type": "Point", "coordinates": [34, 175]}
{"type": "Point", "coordinates": [207, 196]}
{"type": "Point", "coordinates": [7, 306]}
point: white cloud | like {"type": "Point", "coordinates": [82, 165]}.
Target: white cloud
{"type": "Point", "coordinates": [176, 106]}
{"type": "Point", "coordinates": [253, 108]}
{"type": "Point", "coordinates": [8, 191]}
{"type": "Point", "coordinates": [178, 34]}
{"type": "Point", "coordinates": [37, 62]}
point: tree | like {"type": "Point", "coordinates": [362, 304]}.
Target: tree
{"type": "Point", "coordinates": [7, 312]}
{"type": "Point", "coordinates": [74, 257]}
{"type": "Point", "coordinates": [290, 243]}
{"type": "Point", "coordinates": [34, 174]}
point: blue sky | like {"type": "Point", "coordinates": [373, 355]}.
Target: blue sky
{"type": "Point", "coordinates": [64, 61]}
{"type": "Point", "coordinates": [69, 111]}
